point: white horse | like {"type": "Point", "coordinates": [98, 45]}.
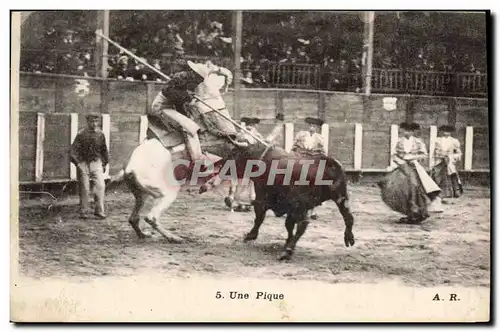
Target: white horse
{"type": "Point", "coordinates": [151, 170]}
{"type": "Point", "coordinates": [240, 195]}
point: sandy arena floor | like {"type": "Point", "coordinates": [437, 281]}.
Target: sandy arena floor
{"type": "Point", "coordinates": [451, 248]}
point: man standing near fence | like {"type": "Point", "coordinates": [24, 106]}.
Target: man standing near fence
{"type": "Point", "coordinates": [90, 155]}
{"type": "Point", "coordinates": [447, 154]}
{"type": "Point", "coordinates": [310, 142]}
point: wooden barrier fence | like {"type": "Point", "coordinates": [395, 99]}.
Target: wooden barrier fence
{"type": "Point", "coordinates": [45, 141]}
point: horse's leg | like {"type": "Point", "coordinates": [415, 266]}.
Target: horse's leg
{"type": "Point", "coordinates": [229, 199]}
{"type": "Point", "coordinates": [139, 195]}
{"type": "Point", "coordinates": [292, 240]}
{"type": "Point", "coordinates": [248, 190]}
{"type": "Point", "coordinates": [240, 191]}
{"type": "Point", "coordinates": [260, 215]}
{"type": "Point", "coordinates": [161, 204]}
{"type": "Point", "coordinates": [341, 198]}
{"type": "Point", "coordinates": [135, 218]}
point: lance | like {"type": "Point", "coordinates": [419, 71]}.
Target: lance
{"type": "Point", "coordinates": [100, 35]}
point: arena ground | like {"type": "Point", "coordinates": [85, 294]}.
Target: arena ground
{"type": "Point", "coordinates": [451, 248]}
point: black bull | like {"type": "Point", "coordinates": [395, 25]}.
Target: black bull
{"type": "Point", "coordinates": [290, 198]}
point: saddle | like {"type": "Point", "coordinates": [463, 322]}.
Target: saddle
{"type": "Point", "coordinates": [172, 137]}
{"type": "Point", "coordinates": [169, 137]}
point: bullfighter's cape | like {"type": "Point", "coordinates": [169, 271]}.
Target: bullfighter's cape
{"type": "Point", "coordinates": [407, 188]}
{"type": "Point", "coordinates": [402, 192]}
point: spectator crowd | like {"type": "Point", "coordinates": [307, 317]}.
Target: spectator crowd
{"type": "Point", "coordinates": [166, 46]}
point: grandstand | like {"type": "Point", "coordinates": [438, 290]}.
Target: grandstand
{"type": "Point", "coordinates": [304, 50]}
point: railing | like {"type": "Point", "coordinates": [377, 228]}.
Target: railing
{"type": "Point", "coordinates": [307, 76]}
{"type": "Point", "coordinates": [298, 76]}
{"type": "Point", "coordinates": [316, 77]}
{"type": "Point", "coordinates": [433, 83]}
{"type": "Point", "coordinates": [48, 158]}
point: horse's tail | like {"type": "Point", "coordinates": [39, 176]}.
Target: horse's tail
{"type": "Point", "coordinates": [115, 180]}
{"type": "Point", "coordinates": [117, 177]}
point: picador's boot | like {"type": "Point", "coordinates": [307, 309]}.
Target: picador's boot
{"type": "Point", "coordinates": [193, 146]}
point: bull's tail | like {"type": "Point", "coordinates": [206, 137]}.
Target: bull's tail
{"type": "Point", "coordinates": [116, 179]}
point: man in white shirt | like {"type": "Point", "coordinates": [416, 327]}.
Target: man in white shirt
{"type": "Point", "coordinates": [309, 142]}
{"type": "Point", "coordinates": [447, 153]}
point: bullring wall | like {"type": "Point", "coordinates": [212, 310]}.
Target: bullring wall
{"type": "Point", "coordinates": [360, 130]}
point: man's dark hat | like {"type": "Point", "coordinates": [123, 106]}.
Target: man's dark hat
{"type": "Point", "coordinates": [446, 128]}
{"type": "Point", "coordinates": [415, 126]}
{"type": "Point", "coordinates": [409, 126]}
{"type": "Point", "coordinates": [92, 116]}
{"type": "Point", "coordinates": [250, 121]}
{"type": "Point", "coordinates": [314, 121]}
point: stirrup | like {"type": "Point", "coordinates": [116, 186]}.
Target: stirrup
{"type": "Point", "coordinates": [204, 156]}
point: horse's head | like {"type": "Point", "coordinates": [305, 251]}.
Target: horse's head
{"type": "Point", "coordinates": [216, 81]}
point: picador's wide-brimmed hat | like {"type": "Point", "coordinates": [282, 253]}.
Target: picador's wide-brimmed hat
{"type": "Point", "coordinates": [250, 121]}
{"type": "Point", "coordinates": [200, 68]}
{"type": "Point", "coordinates": [447, 128]}
{"type": "Point", "coordinates": [314, 121]}
{"type": "Point", "coordinates": [409, 126]}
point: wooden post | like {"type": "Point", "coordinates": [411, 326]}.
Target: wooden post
{"type": "Point", "coordinates": [102, 65]}
{"type": "Point", "coordinates": [143, 128]}
{"type": "Point", "coordinates": [432, 144]}
{"type": "Point", "coordinates": [40, 138]}
{"type": "Point", "coordinates": [325, 132]}
{"type": "Point", "coordinates": [410, 109]}
{"type": "Point", "coordinates": [321, 106]}
{"type": "Point", "coordinates": [452, 111]}
{"type": "Point", "coordinates": [279, 102]}
{"type": "Point", "coordinates": [106, 129]}
{"type": "Point", "coordinates": [394, 141]}
{"type": "Point", "coordinates": [368, 19]}
{"type": "Point", "coordinates": [469, 143]}
{"type": "Point", "coordinates": [358, 146]}
{"type": "Point", "coordinates": [101, 53]}
{"type": "Point", "coordinates": [289, 136]}
{"type": "Point", "coordinates": [237, 36]}
{"type": "Point", "coordinates": [73, 133]}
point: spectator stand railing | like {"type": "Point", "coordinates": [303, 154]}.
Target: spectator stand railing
{"type": "Point", "coordinates": [289, 75]}
{"type": "Point", "coordinates": [430, 83]}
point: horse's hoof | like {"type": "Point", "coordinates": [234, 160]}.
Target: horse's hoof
{"type": "Point", "coordinates": [142, 235]}
{"type": "Point", "coordinates": [175, 239]}
{"type": "Point", "coordinates": [242, 208]}
{"type": "Point", "coordinates": [228, 201]}
{"type": "Point", "coordinates": [250, 237]}
{"type": "Point", "coordinates": [203, 189]}
{"type": "Point", "coordinates": [285, 256]}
